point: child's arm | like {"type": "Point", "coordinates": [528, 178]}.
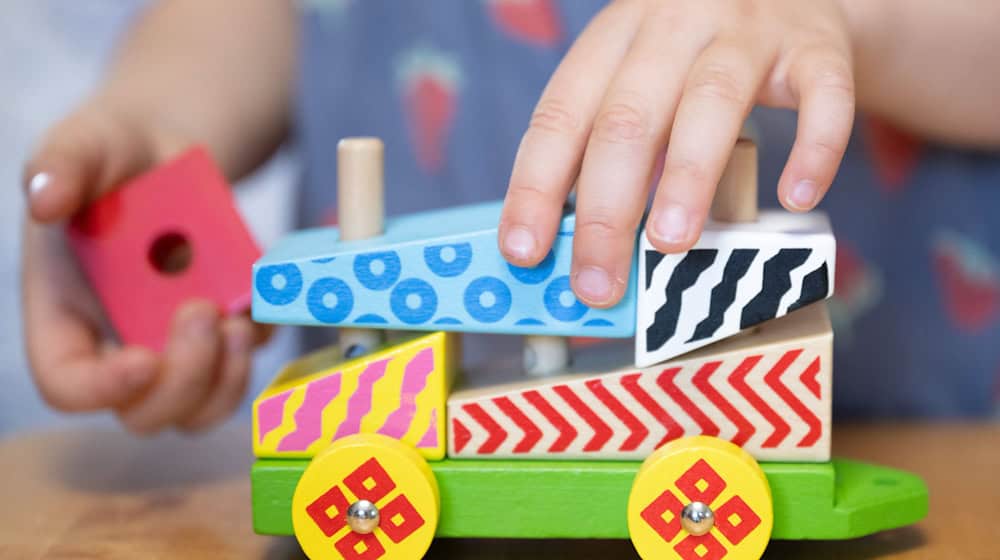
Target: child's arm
{"type": "Point", "coordinates": [217, 73]}
{"type": "Point", "coordinates": [931, 67]}
{"type": "Point", "coordinates": [648, 71]}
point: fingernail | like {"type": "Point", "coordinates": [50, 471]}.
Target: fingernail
{"type": "Point", "coordinates": [594, 284]}
{"type": "Point", "coordinates": [803, 195]}
{"type": "Point", "coordinates": [38, 183]}
{"type": "Point", "coordinates": [519, 243]}
{"type": "Point", "coordinates": [672, 224]}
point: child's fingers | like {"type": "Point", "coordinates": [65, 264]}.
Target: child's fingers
{"type": "Point", "coordinates": [73, 370]}
{"type": "Point", "coordinates": [548, 158]}
{"type": "Point", "coordinates": [822, 81]}
{"type": "Point", "coordinates": [73, 373]}
{"type": "Point", "coordinates": [190, 362]}
{"type": "Point", "coordinates": [81, 379]}
{"type": "Point", "coordinates": [629, 132]}
{"type": "Point", "coordinates": [718, 95]}
{"type": "Point", "coordinates": [80, 159]}
{"type": "Point", "coordinates": [238, 338]}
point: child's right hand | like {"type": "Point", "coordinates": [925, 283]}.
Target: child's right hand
{"type": "Point", "coordinates": [201, 376]}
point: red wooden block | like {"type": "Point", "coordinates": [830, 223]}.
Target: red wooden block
{"type": "Point", "coordinates": [161, 239]}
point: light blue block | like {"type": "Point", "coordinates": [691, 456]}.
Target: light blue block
{"type": "Point", "coordinates": [438, 270]}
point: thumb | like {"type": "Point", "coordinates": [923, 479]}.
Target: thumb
{"type": "Point", "coordinates": [83, 157]}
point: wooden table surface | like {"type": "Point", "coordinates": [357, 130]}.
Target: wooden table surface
{"type": "Point", "coordinates": [104, 495]}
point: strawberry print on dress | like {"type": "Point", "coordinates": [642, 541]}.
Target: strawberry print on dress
{"type": "Point", "coordinates": [535, 22]}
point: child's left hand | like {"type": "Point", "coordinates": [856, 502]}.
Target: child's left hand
{"type": "Point", "coordinates": [647, 71]}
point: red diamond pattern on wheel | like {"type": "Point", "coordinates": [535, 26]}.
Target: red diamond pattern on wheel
{"type": "Point", "coordinates": [701, 483]}
{"type": "Point", "coordinates": [370, 482]}
{"type": "Point", "coordinates": [329, 511]}
{"type": "Point", "coordinates": [747, 520]}
{"type": "Point", "coordinates": [705, 547]}
{"type": "Point", "coordinates": [399, 519]}
{"type": "Point", "coordinates": [355, 546]}
{"type": "Point", "coordinates": [655, 515]}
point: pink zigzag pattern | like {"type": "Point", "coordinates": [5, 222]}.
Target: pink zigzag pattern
{"type": "Point", "coordinates": [270, 413]}
{"type": "Point", "coordinates": [309, 416]}
{"type": "Point", "coordinates": [414, 381]}
{"type": "Point", "coordinates": [360, 402]}
{"type": "Point", "coordinates": [430, 437]}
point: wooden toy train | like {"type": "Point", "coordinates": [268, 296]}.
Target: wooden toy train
{"type": "Point", "coordinates": [705, 440]}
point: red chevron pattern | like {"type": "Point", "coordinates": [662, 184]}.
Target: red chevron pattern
{"type": "Point", "coordinates": [774, 404]}
{"type": "Point", "coordinates": [700, 381]}
{"type": "Point", "coordinates": [773, 380]}
{"type": "Point", "coordinates": [531, 432]}
{"type": "Point", "coordinates": [566, 431]}
{"type": "Point", "coordinates": [638, 432]}
{"type": "Point", "coordinates": [666, 382]}
{"type": "Point", "coordinates": [631, 384]}
{"type": "Point", "coordinates": [738, 381]}
{"type": "Point", "coordinates": [602, 432]}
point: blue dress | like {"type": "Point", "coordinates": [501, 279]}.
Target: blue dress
{"type": "Point", "coordinates": [449, 86]}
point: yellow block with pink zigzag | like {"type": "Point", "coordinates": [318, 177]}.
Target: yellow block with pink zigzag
{"type": "Point", "coordinates": [399, 391]}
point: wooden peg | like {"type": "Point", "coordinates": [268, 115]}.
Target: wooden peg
{"type": "Point", "coordinates": [360, 214]}
{"type": "Point", "coordinates": [545, 355]}
{"type": "Point", "coordinates": [736, 198]}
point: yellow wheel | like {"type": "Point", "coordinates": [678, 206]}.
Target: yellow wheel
{"type": "Point", "coordinates": [366, 497]}
{"type": "Point", "coordinates": [700, 498]}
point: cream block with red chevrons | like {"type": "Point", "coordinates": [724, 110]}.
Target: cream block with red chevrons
{"type": "Point", "coordinates": [767, 390]}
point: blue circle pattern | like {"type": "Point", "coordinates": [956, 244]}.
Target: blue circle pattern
{"type": "Point", "coordinates": [319, 309]}
{"type": "Point", "coordinates": [385, 279]}
{"type": "Point", "coordinates": [536, 274]}
{"type": "Point", "coordinates": [423, 312]}
{"type": "Point", "coordinates": [556, 308]}
{"type": "Point", "coordinates": [501, 296]}
{"type": "Point", "coordinates": [454, 267]}
{"type": "Point", "coordinates": [275, 296]}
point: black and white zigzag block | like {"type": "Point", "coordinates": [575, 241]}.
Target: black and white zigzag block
{"type": "Point", "coordinates": [737, 276]}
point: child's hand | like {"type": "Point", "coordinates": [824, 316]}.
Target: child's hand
{"type": "Point", "coordinates": [201, 376]}
{"type": "Point", "coordinates": [688, 71]}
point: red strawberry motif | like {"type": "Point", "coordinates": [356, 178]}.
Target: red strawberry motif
{"type": "Point", "coordinates": [857, 288]}
{"type": "Point", "coordinates": [535, 22]}
{"type": "Point", "coordinates": [429, 81]}
{"type": "Point", "coordinates": [330, 218]}
{"type": "Point", "coordinates": [894, 153]}
{"type": "Point", "coordinates": [969, 278]}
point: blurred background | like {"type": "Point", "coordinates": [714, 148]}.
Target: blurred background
{"type": "Point", "coordinates": [51, 54]}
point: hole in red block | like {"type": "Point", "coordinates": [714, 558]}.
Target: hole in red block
{"type": "Point", "coordinates": [171, 253]}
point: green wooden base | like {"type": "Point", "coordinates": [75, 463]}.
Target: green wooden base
{"type": "Point", "coordinates": [558, 499]}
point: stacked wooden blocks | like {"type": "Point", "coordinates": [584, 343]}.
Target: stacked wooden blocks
{"type": "Point", "coordinates": [767, 390]}
{"type": "Point", "coordinates": [730, 361]}
{"type": "Point", "coordinates": [715, 359]}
